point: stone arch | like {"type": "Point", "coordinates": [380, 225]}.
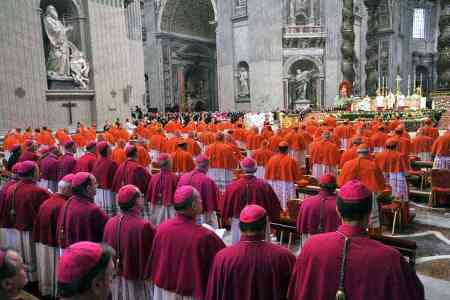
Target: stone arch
{"type": "Point", "coordinates": [314, 89]}
{"type": "Point", "coordinates": [294, 59]}
{"type": "Point", "coordinates": [195, 49]}
{"type": "Point", "coordinates": [198, 21]}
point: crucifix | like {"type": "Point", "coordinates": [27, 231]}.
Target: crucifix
{"type": "Point", "coordinates": [69, 105]}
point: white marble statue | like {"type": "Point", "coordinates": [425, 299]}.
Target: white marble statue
{"type": "Point", "coordinates": [79, 69]}
{"type": "Point", "coordinates": [243, 82]}
{"type": "Point", "coordinates": [302, 79]}
{"type": "Point", "coordinates": [58, 59]}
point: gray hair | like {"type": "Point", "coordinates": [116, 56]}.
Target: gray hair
{"type": "Point", "coordinates": [64, 186]}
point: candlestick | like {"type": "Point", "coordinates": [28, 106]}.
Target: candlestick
{"type": "Point", "coordinates": [409, 84]}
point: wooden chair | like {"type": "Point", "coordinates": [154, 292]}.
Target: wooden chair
{"type": "Point", "coordinates": [289, 218]}
{"type": "Point", "coordinates": [440, 187]}
{"type": "Point", "coordinates": [395, 209]}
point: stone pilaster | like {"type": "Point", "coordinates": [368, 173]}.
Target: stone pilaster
{"type": "Point", "coordinates": [443, 63]}
{"type": "Point", "coordinates": [348, 41]}
{"type": "Point", "coordinates": [372, 48]}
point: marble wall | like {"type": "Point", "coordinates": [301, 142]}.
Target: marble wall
{"type": "Point", "coordinates": [117, 63]}
{"type": "Point", "coordinates": [116, 57]}
{"type": "Point", "coordinates": [22, 65]}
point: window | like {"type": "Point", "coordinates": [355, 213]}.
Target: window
{"type": "Point", "coordinates": [419, 23]}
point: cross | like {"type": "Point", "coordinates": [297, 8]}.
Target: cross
{"type": "Point", "coordinates": [69, 106]}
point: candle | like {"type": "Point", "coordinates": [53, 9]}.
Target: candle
{"type": "Point", "coordinates": [409, 84]}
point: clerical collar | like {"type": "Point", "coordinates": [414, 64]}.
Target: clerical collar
{"type": "Point", "coordinates": [252, 238]}
{"type": "Point", "coordinates": [351, 230]}
{"type": "Point", "coordinates": [249, 176]}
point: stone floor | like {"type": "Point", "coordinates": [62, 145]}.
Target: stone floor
{"type": "Point", "coordinates": [431, 231]}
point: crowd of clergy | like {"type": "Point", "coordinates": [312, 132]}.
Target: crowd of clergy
{"type": "Point", "coordinates": [135, 213]}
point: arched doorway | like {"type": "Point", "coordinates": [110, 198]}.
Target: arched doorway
{"type": "Point", "coordinates": [188, 38]}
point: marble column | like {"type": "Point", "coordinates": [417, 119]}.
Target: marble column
{"type": "Point", "coordinates": [372, 48]}
{"type": "Point", "coordinates": [348, 41]}
{"type": "Point", "coordinates": [443, 64]}
{"type": "Point", "coordinates": [291, 12]}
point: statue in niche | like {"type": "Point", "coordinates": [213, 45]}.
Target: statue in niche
{"type": "Point", "coordinates": [65, 61]}
{"type": "Point", "coordinates": [59, 56]}
{"type": "Point", "coordinates": [244, 89]}
{"type": "Point", "coordinates": [303, 82]}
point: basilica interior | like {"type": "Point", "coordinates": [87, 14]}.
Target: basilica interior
{"type": "Point", "coordinates": [123, 71]}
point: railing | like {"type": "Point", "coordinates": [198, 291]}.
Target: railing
{"type": "Point", "coordinates": [240, 11]}
{"type": "Point", "coordinates": [303, 30]}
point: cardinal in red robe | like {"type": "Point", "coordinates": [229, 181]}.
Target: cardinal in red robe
{"type": "Point", "coordinates": [118, 153]}
{"type": "Point", "coordinates": [183, 251]}
{"type": "Point", "coordinates": [86, 162]}
{"type": "Point", "coordinates": [160, 192]}
{"type": "Point", "coordinates": [318, 213]}
{"type": "Point", "coordinates": [192, 145]}
{"type": "Point", "coordinates": [282, 172]}
{"type": "Point", "coordinates": [421, 145]}
{"type": "Point", "coordinates": [80, 219]}
{"type": "Point", "coordinates": [222, 162]}
{"type": "Point", "coordinates": [351, 152]}
{"type": "Point", "coordinates": [104, 171]}
{"type": "Point", "coordinates": [395, 169]}
{"type": "Point", "coordinates": [67, 162]}
{"type": "Point", "coordinates": [262, 156]}
{"type": "Point", "coordinates": [157, 143]}
{"type": "Point", "coordinates": [254, 140]}
{"type": "Point", "coordinates": [130, 172]}
{"type": "Point", "coordinates": [18, 211]}
{"type": "Point", "coordinates": [253, 269]}
{"type": "Point", "coordinates": [182, 161]}
{"type": "Point", "coordinates": [30, 152]}
{"type": "Point", "coordinates": [347, 264]}
{"type": "Point", "coordinates": [378, 140]}
{"type": "Point", "coordinates": [248, 190]}
{"type": "Point", "coordinates": [131, 237]}
{"type": "Point", "coordinates": [48, 167]}
{"type": "Point", "coordinates": [297, 145]}
{"type": "Point", "coordinates": [365, 169]}
{"type": "Point", "coordinates": [45, 236]}
{"type": "Point", "coordinates": [325, 156]}
{"type": "Point", "coordinates": [429, 130]}
{"type": "Point", "coordinates": [441, 151]}
{"type": "Point", "coordinates": [344, 132]}
{"type": "Point", "coordinates": [208, 189]}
